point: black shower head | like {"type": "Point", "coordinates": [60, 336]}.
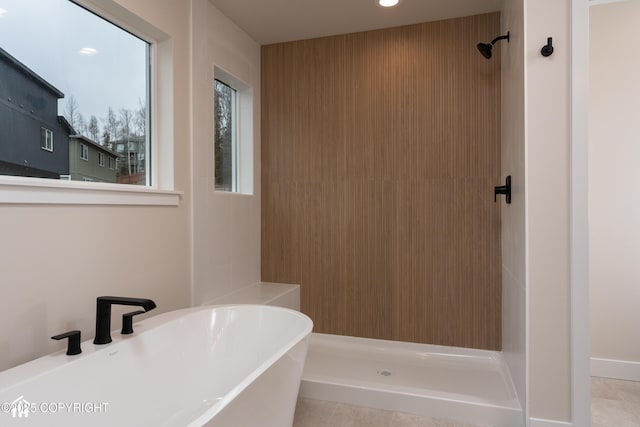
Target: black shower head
{"type": "Point", "coordinates": [485, 49]}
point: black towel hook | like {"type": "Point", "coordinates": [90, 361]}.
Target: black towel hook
{"type": "Point", "coordinates": [547, 49]}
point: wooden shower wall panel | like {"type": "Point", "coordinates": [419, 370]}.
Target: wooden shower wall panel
{"type": "Point", "coordinates": [380, 151]}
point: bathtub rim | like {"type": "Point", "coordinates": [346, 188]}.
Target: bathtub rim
{"type": "Point", "coordinates": [29, 371]}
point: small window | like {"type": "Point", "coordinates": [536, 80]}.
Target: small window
{"type": "Point", "coordinates": [112, 163]}
{"type": "Point", "coordinates": [84, 152]}
{"type": "Point", "coordinates": [233, 133]}
{"type": "Point", "coordinates": [65, 177]}
{"type": "Point", "coordinates": [101, 159]}
{"type": "Point", "coordinates": [225, 154]}
{"type": "Point", "coordinates": [120, 148]}
{"type": "Point", "coordinates": [46, 139]}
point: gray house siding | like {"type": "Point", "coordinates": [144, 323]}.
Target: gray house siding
{"type": "Point", "coordinates": [28, 104]}
{"type": "Point", "coordinates": [90, 169]}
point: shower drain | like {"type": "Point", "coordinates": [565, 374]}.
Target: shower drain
{"type": "Point", "coordinates": [384, 373]}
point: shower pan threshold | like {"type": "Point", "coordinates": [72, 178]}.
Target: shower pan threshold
{"type": "Point", "coordinates": [466, 385]}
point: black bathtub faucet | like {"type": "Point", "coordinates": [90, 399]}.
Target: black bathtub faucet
{"type": "Point", "coordinates": [103, 314]}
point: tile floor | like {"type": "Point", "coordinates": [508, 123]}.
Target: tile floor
{"type": "Point", "coordinates": [319, 413]}
{"type": "Point", "coordinates": [614, 403]}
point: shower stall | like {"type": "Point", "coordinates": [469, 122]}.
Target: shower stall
{"type": "Point", "coordinates": [381, 153]}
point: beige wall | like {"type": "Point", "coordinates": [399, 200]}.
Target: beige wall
{"type": "Point", "coordinates": [226, 226]}
{"type": "Point", "coordinates": [547, 208]}
{"type": "Point", "coordinates": [614, 200]}
{"type": "Point", "coordinates": [513, 215]}
{"type": "Point", "coordinates": [55, 260]}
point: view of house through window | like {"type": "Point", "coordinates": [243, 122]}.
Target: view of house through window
{"type": "Point", "coordinates": [225, 137]}
{"type": "Point", "coordinates": [69, 76]}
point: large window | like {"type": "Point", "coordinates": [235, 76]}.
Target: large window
{"type": "Point", "coordinates": [226, 118]}
{"type": "Point", "coordinates": [80, 75]}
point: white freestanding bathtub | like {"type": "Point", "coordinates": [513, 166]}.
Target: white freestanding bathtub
{"type": "Point", "coordinates": [225, 366]}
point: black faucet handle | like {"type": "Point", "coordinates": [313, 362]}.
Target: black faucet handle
{"type": "Point", "coordinates": [73, 346]}
{"type": "Point", "coordinates": [127, 321]}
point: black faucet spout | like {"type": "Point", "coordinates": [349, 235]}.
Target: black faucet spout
{"type": "Point", "coordinates": [103, 314]}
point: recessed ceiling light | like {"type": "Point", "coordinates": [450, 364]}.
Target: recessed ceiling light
{"type": "Point", "coordinates": [388, 3]}
{"type": "Point", "coordinates": [2, 12]}
{"type": "Point", "coordinates": [88, 51]}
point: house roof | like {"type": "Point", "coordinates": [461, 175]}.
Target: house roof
{"type": "Point", "coordinates": [67, 125]}
{"type": "Point", "coordinates": [6, 57]}
{"type": "Point", "coordinates": [93, 143]}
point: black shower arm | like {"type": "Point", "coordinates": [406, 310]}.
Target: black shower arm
{"type": "Point", "coordinates": [500, 38]}
{"type": "Point", "coordinates": [506, 36]}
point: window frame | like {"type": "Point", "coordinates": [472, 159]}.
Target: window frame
{"type": "Point", "coordinates": [100, 159]}
{"type": "Point", "coordinates": [244, 133]}
{"type": "Point", "coordinates": [25, 190]}
{"type": "Point", "coordinates": [112, 163]}
{"type": "Point", "coordinates": [234, 137]}
{"type": "Point", "coordinates": [84, 152]}
{"type": "Point", "coordinates": [46, 144]}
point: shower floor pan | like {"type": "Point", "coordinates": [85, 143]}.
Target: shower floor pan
{"type": "Point", "coordinates": [466, 385]}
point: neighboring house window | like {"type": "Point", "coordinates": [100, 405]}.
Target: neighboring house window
{"type": "Point", "coordinates": [65, 177]}
{"type": "Point", "coordinates": [225, 144]}
{"type": "Point", "coordinates": [46, 139]}
{"type": "Point", "coordinates": [84, 152]}
{"type": "Point", "coordinates": [112, 163]}
{"type": "Point", "coordinates": [65, 93]}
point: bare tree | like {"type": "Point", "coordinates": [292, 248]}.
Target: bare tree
{"type": "Point", "coordinates": [106, 139]}
{"type": "Point", "coordinates": [71, 112]}
{"type": "Point", "coordinates": [111, 127]}
{"type": "Point", "coordinates": [94, 128]}
{"type": "Point", "coordinates": [141, 119]}
{"type": "Point", "coordinates": [126, 122]}
{"type": "Point", "coordinates": [223, 102]}
{"type": "Point", "coordinates": [82, 125]}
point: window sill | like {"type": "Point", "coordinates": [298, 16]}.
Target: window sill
{"type": "Point", "coordinates": [19, 190]}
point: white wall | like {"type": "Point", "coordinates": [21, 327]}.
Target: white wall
{"type": "Point", "coordinates": [56, 259]}
{"type": "Point", "coordinates": [548, 96]}
{"type": "Point", "coordinates": [614, 195]}
{"type": "Point", "coordinates": [226, 226]}
{"type": "Point", "coordinates": [513, 215]}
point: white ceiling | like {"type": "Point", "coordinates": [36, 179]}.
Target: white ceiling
{"type": "Point", "coordinates": [274, 21]}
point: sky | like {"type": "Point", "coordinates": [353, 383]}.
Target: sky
{"type": "Point", "coordinates": [54, 38]}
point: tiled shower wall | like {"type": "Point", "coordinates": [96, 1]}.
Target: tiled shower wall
{"type": "Point", "coordinates": [380, 151]}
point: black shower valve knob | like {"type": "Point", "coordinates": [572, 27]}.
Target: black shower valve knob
{"type": "Point", "coordinates": [503, 189]}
